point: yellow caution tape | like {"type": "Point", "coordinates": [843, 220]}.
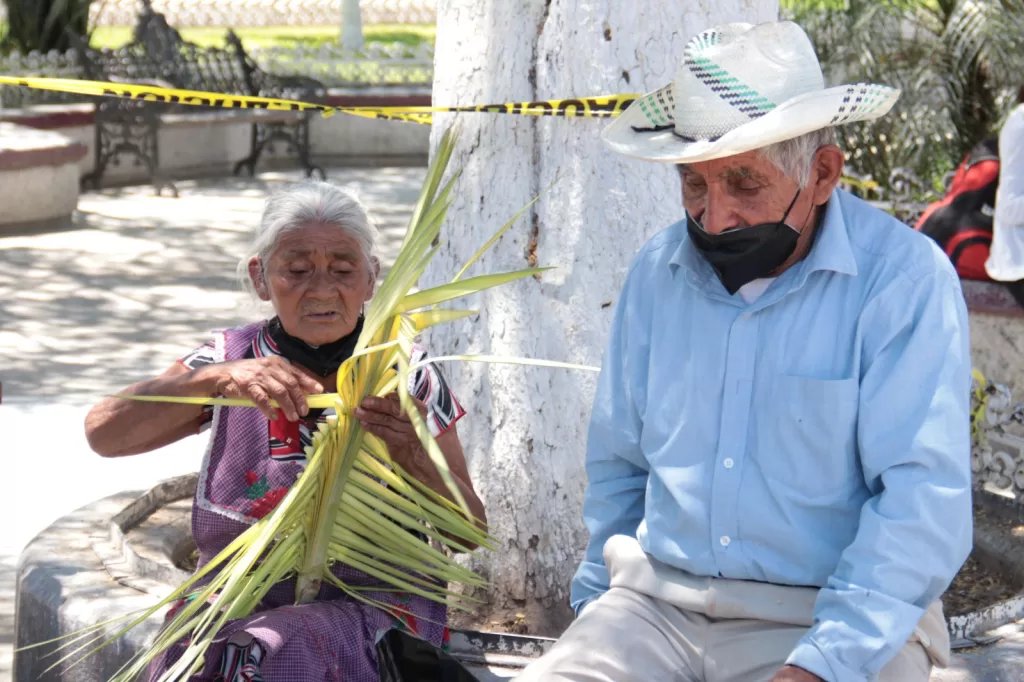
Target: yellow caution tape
{"type": "Point", "coordinates": [604, 106]}
{"type": "Point", "coordinates": [981, 403]}
{"type": "Point", "coordinates": [316, 401]}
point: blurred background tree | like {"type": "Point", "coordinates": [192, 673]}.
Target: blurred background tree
{"type": "Point", "coordinates": [44, 25]}
{"type": "Point", "coordinates": [959, 64]}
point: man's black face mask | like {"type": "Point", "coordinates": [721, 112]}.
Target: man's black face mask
{"type": "Point", "coordinates": [742, 255]}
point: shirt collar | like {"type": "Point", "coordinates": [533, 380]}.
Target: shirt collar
{"type": "Point", "coordinates": [831, 249]}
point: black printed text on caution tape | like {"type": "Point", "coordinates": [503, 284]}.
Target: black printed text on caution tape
{"type": "Point", "coordinates": [604, 106]}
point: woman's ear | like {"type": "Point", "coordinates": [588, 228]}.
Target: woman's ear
{"type": "Point", "coordinates": [374, 274]}
{"type": "Point", "coordinates": [259, 282]}
{"type": "Point", "coordinates": [828, 170]}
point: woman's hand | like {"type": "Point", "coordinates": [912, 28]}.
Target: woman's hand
{"type": "Point", "coordinates": [117, 427]}
{"type": "Point", "coordinates": [264, 379]}
{"type": "Point", "coordinates": [385, 418]}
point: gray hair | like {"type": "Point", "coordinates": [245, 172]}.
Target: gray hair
{"type": "Point", "coordinates": [795, 156]}
{"type": "Point", "coordinates": [309, 203]}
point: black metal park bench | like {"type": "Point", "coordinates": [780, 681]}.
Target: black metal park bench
{"type": "Point", "coordinates": [158, 55]}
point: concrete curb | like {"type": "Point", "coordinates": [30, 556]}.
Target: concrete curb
{"type": "Point", "coordinates": [63, 587]}
{"type": "Point", "coordinates": [1002, 554]}
{"type": "Point", "coordinates": [90, 567]}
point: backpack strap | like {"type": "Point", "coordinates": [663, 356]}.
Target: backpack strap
{"type": "Point", "coordinates": [958, 245]}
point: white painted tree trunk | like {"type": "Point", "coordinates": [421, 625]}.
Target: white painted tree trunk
{"type": "Point", "coordinates": [351, 25]}
{"type": "Point", "coordinates": [525, 432]}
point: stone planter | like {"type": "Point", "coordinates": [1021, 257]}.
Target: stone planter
{"type": "Point", "coordinates": [38, 178]}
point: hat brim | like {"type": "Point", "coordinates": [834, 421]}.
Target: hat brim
{"type": "Point", "coordinates": [792, 118]}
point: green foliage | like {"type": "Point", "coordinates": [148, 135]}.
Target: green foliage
{"type": "Point", "coordinates": [958, 63]}
{"type": "Point", "coordinates": [278, 36]}
{"type": "Point", "coordinates": [44, 25]}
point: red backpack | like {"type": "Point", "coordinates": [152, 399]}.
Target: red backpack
{"type": "Point", "coordinates": [961, 222]}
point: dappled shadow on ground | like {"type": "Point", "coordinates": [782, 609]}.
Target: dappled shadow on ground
{"type": "Point", "coordinates": [143, 279]}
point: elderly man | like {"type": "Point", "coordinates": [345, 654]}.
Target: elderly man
{"type": "Point", "coordinates": [778, 460]}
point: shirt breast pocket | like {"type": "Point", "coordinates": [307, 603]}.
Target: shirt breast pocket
{"type": "Point", "coordinates": [806, 438]}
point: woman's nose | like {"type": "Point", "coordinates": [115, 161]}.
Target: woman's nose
{"type": "Point", "coordinates": [322, 283]}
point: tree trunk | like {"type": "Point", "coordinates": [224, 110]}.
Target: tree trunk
{"type": "Point", "coordinates": [351, 25]}
{"type": "Point", "coordinates": [526, 429]}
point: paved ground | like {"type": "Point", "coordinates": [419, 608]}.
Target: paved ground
{"type": "Point", "coordinates": [139, 282]}
{"type": "Point", "coordinates": [1000, 662]}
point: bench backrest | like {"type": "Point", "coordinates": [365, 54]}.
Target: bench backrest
{"type": "Point", "coordinates": [158, 53]}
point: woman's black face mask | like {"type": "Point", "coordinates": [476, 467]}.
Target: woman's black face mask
{"type": "Point", "coordinates": [742, 255]}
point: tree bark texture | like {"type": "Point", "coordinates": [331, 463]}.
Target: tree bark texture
{"type": "Point", "coordinates": [526, 428]}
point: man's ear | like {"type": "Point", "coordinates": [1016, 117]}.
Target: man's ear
{"type": "Point", "coordinates": [827, 171]}
{"type": "Point", "coordinates": [259, 282]}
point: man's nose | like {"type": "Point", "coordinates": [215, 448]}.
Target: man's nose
{"type": "Point", "coordinates": [719, 212]}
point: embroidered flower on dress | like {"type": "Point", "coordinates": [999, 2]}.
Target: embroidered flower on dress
{"type": "Point", "coordinates": [258, 486]}
{"type": "Point", "coordinates": [267, 503]}
{"type": "Point", "coordinates": [405, 620]}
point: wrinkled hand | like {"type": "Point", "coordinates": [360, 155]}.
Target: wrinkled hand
{"type": "Point", "coordinates": [385, 418]}
{"type": "Point", "coordinates": [264, 379]}
{"type": "Point", "coordinates": [791, 673]}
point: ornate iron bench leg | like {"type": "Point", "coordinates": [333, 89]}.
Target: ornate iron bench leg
{"type": "Point", "coordinates": [127, 127]}
{"type": "Point", "coordinates": [156, 176]}
{"type": "Point", "coordinates": [255, 149]}
{"type": "Point", "coordinates": [305, 157]}
{"type": "Point", "coordinates": [159, 183]}
{"type": "Point", "coordinates": [91, 180]}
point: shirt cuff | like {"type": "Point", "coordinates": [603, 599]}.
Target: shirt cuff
{"type": "Point", "coordinates": [584, 606]}
{"type": "Point", "coordinates": [807, 656]}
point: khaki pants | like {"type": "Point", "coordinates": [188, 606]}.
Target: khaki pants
{"type": "Point", "coordinates": [660, 624]}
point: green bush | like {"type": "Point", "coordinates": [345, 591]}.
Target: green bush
{"type": "Point", "coordinates": [44, 25]}
{"type": "Point", "coordinates": [957, 62]}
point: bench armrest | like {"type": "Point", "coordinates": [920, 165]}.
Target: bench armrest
{"type": "Point", "coordinates": [291, 87]}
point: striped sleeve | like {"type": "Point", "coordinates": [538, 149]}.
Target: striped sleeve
{"type": "Point", "coordinates": [429, 385]}
{"type": "Point", "coordinates": [206, 354]}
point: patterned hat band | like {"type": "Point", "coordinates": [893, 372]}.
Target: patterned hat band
{"type": "Point", "coordinates": [660, 111]}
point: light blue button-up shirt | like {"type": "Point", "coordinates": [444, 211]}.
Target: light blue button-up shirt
{"type": "Point", "coordinates": [819, 436]}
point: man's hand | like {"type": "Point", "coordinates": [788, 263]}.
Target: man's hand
{"type": "Point", "coordinates": [791, 673]}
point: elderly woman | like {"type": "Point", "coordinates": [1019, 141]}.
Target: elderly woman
{"type": "Point", "coordinates": [314, 258]}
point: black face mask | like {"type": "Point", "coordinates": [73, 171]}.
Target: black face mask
{"type": "Point", "coordinates": [322, 360]}
{"type": "Point", "coordinates": [742, 255]}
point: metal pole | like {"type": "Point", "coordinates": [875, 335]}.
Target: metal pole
{"type": "Point", "coordinates": [351, 25]}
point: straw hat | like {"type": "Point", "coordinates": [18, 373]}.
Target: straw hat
{"type": "Point", "coordinates": [741, 87]}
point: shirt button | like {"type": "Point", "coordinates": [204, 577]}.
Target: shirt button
{"type": "Point", "coordinates": [727, 463]}
{"type": "Point", "coordinates": [745, 316]}
{"type": "Point", "coordinates": [725, 540]}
